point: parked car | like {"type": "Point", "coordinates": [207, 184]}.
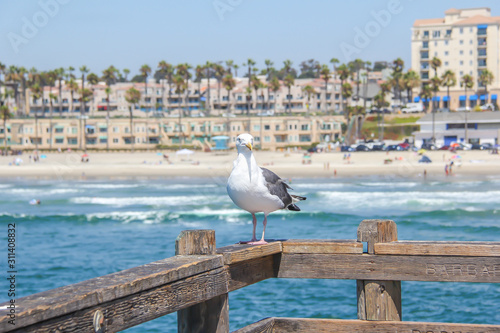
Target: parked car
{"type": "Point", "coordinates": [487, 107]}
{"type": "Point", "coordinates": [477, 146]}
{"type": "Point", "coordinates": [412, 108]}
{"type": "Point", "coordinates": [362, 148]}
{"type": "Point", "coordinates": [487, 146]}
{"type": "Point", "coordinates": [378, 147]}
{"type": "Point", "coordinates": [428, 146]}
{"type": "Point", "coordinates": [394, 147]}
{"type": "Point", "coordinates": [346, 148]}
{"type": "Point", "coordinates": [405, 145]}
{"type": "Point", "coordinates": [445, 147]}
{"type": "Point", "coordinates": [377, 111]}
{"type": "Point", "coordinates": [443, 110]}
{"type": "Point", "coordinates": [463, 108]}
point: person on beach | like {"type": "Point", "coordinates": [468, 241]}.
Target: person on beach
{"type": "Point", "coordinates": [35, 202]}
{"type": "Point", "coordinates": [446, 169]}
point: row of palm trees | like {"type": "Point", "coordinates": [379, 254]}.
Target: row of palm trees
{"type": "Point", "coordinates": [353, 73]}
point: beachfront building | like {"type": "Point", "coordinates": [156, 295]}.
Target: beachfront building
{"type": "Point", "coordinates": [467, 41]}
{"type": "Point", "coordinates": [204, 98]}
{"type": "Point", "coordinates": [465, 127]}
{"type": "Point", "coordinates": [96, 133]}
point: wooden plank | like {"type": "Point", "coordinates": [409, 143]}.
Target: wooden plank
{"type": "Point", "coordinates": [76, 297]}
{"type": "Point", "coordinates": [245, 273]}
{"type": "Point", "coordinates": [378, 300]}
{"type": "Point", "coordinates": [195, 242]}
{"type": "Point", "coordinates": [322, 246]}
{"type": "Point", "coordinates": [242, 252]}
{"type": "Point", "coordinates": [288, 325]}
{"type": "Point", "coordinates": [211, 316]}
{"type": "Point", "coordinates": [262, 326]}
{"type": "Point", "coordinates": [388, 267]}
{"type": "Point", "coordinates": [471, 249]}
{"type": "Point", "coordinates": [138, 308]}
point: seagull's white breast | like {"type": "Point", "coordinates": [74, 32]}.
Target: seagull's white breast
{"type": "Point", "coordinates": [246, 187]}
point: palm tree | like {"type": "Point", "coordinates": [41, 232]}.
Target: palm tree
{"type": "Point", "coordinates": [380, 103]}
{"type": "Point", "coordinates": [343, 73]}
{"type": "Point", "coordinates": [325, 75]}
{"type": "Point", "coordinates": [109, 76]}
{"type": "Point", "coordinates": [208, 67]}
{"type": "Point", "coordinates": [36, 92]}
{"type": "Point", "coordinates": [467, 82]}
{"type": "Point", "coordinates": [5, 114]}
{"type": "Point", "coordinates": [126, 71]}
{"type": "Point", "coordinates": [219, 74]}
{"type": "Point", "coordinates": [59, 72]}
{"type": "Point", "coordinates": [180, 87]}
{"type": "Point", "coordinates": [132, 96]}
{"type": "Point", "coordinates": [199, 73]}
{"type": "Point", "coordinates": [256, 84]}
{"type": "Point", "coordinates": [411, 80]}
{"type": "Point", "coordinates": [309, 91]}
{"type": "Point", "coordinates": [145, 70]}
{"type": "Point", "coordinates": [485, 78]}
{"type": "Point", "coordinates": [289, 82]}
{"type": "Point", "coordinates": [435, 64]}
{"type": "Point", "coordinates": [85, 96]}
{"type": "Point", "coordinates": [163, 68]}
{"type": "Point", "coordinates": [84, 70]}
{"type": "Point", "coordinates": [73, 86]}
{"type": "Point", "coordinates": [229, 66]}
{"type": "Point", "coordinates": [93, 80]}
{"type": "Point", "coordinates": [334, 62]}
{"type": "Point", "coordinates": [397, 78]}
{"type": "Point", "coordinates": [250, 63]}
{"type": "Point", "coordinates": [229, 83]}
{"type": "Point", "coordinates": [52, 98]}
{"type": "Point", "coordinates": [448, 79]}
{"type": "Point", "coordinates": [275, 86]}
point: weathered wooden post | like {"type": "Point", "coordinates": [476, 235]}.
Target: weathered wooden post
{"type": "Point", "coordinates": [211, 316]}
{"type": "Point", "coordinates": [378, 300]}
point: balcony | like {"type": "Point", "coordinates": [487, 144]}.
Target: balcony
{"type": "Point", "coordinates": [481, 42]}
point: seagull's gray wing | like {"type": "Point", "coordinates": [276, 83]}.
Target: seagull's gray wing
{"type": "Point", "coordinates": [277, 186]}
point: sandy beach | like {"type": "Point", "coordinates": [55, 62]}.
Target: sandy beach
{"type": "Point", "coordinates": [68, 165]}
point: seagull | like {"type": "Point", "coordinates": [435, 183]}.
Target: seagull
{"type": "Point", "coordinates": [257, 189]}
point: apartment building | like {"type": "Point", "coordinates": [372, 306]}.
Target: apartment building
{"type": "Point", "coordinates": [467, 41]}
{"type": "Point", "coordinates": [97, 133]}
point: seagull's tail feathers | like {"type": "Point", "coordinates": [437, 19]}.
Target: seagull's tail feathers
{"type": "Point", "coordinates": [293, 207]}
{"type": "Point", "coordinates": [296, 198]}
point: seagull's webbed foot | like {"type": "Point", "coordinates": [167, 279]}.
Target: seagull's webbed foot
{"type": "Point", "coordinates": [248, 242]}
{"type": "Point", "coordinates": [261, 242]}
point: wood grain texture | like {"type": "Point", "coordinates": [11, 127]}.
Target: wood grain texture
{"type": "Point", "coordinates": [379, 300]}
{"type": "Point", "coordinates": [470, 249]}
{"type": "Point", "coordinates": [377, 231]}
{"type": "Point", "coordinates": [210, 316]}
{"type": "Point", "coordinates": [248, 272]}
{"type": "Point", "coordinates": [243, 252]}
{"type": "Point", "coordinates": [263, 326]}
{"type": "Point", "coordinates": [198, 242]}
{"type": "Point", "coordinates": [288, 325]}
{"type": "Point", "coordinates": [322, 246]}
{"type": "Point", "coordinates": [389, 267]}
{"type": "Point", "coordinates": [135, 309]}
{"type": "Point", "coordinates": [76, 297]}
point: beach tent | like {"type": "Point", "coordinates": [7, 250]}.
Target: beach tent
{"type": "Point", "coordinates": [424, 159]}
{"type": "Point", "coordinates": [184, 152]}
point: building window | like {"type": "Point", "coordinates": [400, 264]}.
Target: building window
{"type": "Point", "coordinates": [436, 33]}
{"type": "Point", "coordinates": [256, 127]}
{"type": "Point", "coordinates": [267, 138]}
{"type": "Point", "coordinates": [445, 42]}
{"type": "Point", "coordinates": [461, 30]}
{"type": "Point", "coordinates": [461, 62]}
{"type": "Point", "coordinates": [446, 63]}
{"type": "Point", "coordinates": [277, 127]}
{"type": "Point", "coordinates": [426, 33]}
{"type": "Point", "coordinates": [435, 43]}
{"type": "Point", "coordinates": [115, 140]}
{"type": "Point", "coordinates": [267, 127]}
{"type": "Point", "coordinates": [461, 52]}
{"type": "Point", "coordinates": [481, 31]}
{"type": "Point", "coordinates": [461, 42]}
{"type": "Point", "coordinates": [304, 127]}
{"type": "Point", "coordinates": [425, 44]}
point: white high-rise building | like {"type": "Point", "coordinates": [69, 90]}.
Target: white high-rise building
{"type": "Point", "coordinates": [467, 41]}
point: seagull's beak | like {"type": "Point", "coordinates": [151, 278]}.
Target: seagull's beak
{"type": "Point", "coordinates": [249, 145]}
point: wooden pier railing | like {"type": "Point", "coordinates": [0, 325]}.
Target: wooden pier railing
{"type": "Point", "coordinates": [196, 283]}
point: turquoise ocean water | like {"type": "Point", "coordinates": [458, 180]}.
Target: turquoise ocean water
{"type": "Point", "coordinates": [89, 228]}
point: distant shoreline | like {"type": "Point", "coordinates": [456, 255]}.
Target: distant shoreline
{"type": "Point", "coordinates": [142, 165]}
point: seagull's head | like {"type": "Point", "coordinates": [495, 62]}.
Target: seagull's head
{"type": "Point", "coordinates": [244, 143]}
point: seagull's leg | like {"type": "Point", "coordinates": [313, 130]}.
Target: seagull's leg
{"type": "Point", "coordinates": [254, 221]}
{"type": "Point", "coordinates": [262, 241]}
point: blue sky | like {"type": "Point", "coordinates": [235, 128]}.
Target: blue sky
{"type": "Point", "coordinates": [47, 34]}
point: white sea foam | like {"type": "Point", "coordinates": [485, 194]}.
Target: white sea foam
{"type": "Point", "coordinates": [154, 201]}
{"type": "Point", "coordinates": [44, 192]}
{"type": "Point", "coordinates": [108, 186]}
{"type": "Point", "coordinates": [148, 217]}
{"type": "Point", "coordinates": [363, 201]}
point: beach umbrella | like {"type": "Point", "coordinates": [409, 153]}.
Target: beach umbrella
{"type": "Point", "coordinates": [85, 155]}
{"type": "Point", "coordinates": [422, 151]}
{"type": "Point", "coordinates": [43, 156]}
{"type": "Point", "coordinates": [184, 152]}
{"type": "Point", "coordinates": [425, 159]}
{"type": "Point", "coordinates": [454, 145]}
{"type": "Point", "coordinates": [456, 156]}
